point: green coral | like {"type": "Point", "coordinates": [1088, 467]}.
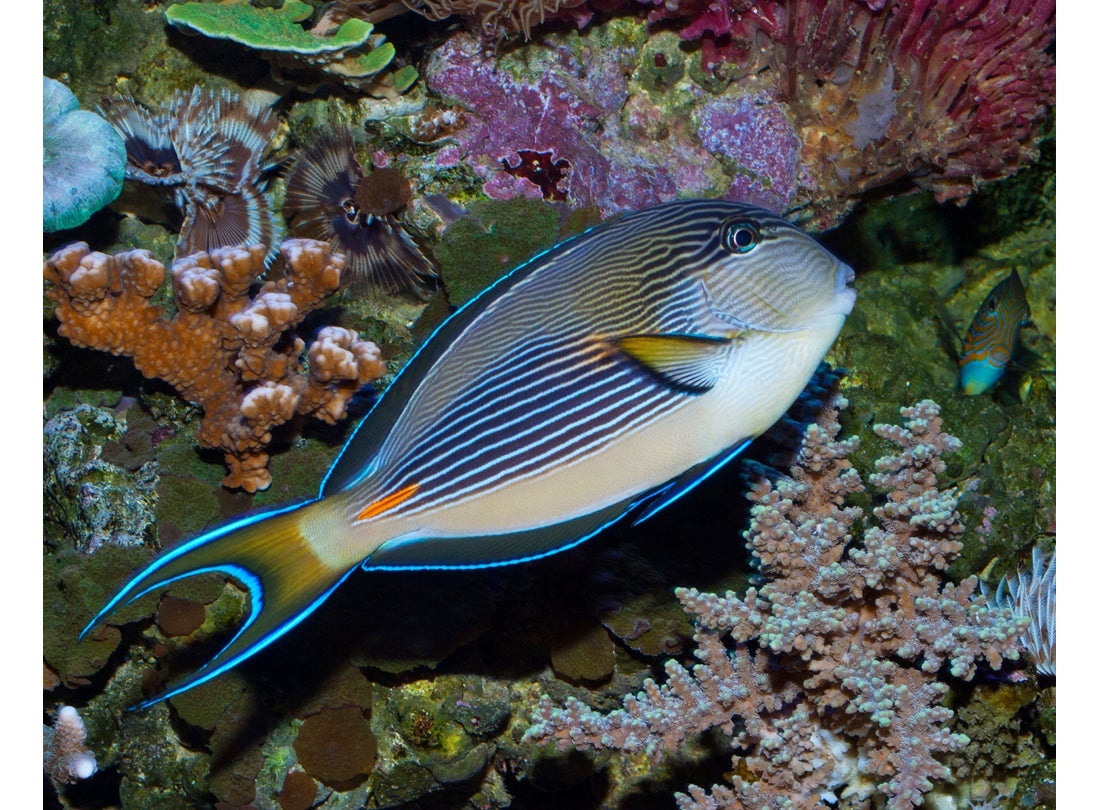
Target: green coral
{"type": "Point", "coordinates": [354, 54]}
{"type": "Point", "coordinates": [267, 29]}
{"type": "Point", "coordinates": [493, 238]}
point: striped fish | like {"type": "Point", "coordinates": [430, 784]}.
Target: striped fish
{"type": "Point", "coordinates": [606, 375]}
{"type": "Point", "coordinates": [991, 339]}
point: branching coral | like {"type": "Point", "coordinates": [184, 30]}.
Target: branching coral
{"type": "Point", "coordinates": [233, 355]}
{"type": "Point", "coordinates": [65, 757]}
{"type": "Point", "coordinates": [836, 657]}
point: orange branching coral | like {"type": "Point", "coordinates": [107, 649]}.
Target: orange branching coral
{"type": "Point", "coordinates": [233, 355]}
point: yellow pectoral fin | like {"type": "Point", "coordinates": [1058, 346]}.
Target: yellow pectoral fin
{"type": "Point", "coordinates": [690, 363]}
{"type": "Point", "coordinates": [388, 502]}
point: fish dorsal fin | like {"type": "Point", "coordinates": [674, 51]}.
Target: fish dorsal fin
{"type": "Point", "coordinates": [689, 363]}
{"type": "Point", "coordinates": [687, 481]}
{"type": "Point", "coordinates": [354, 462]}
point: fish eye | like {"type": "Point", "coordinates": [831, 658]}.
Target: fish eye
{"type": "Point", "coordinates": [740, 236]}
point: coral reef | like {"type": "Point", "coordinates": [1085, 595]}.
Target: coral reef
{"type": "Point", "coordinates": [839, 653]}
{"type": "Point", "coordinates": [83, 160]}
{"type": "Point", "coordinates": [795, 106]}
{"type": "Point", "coordinates": [65, 757]}
{"type": "Point", "coordinates": [233, 355]}
{"type": "Point", "coordinates": [352, 54]}
{"type": "Point", "coordinates": [209, 148]}
{"type": "Point", "coordinates": [949, 98]}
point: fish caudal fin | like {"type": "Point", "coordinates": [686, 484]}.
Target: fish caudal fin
{"type": "Point", "coordinates": [269, 555]}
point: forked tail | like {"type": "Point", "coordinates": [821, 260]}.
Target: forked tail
{"type": "Point", "coordinates": [268, 554]}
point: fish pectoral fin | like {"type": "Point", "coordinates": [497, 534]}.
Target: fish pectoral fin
{"type": "Point", "coordinates": [270, 557]}
{"type": "Point", "coordinates": [689, 363]}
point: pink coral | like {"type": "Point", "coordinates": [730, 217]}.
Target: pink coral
{"type": "Point", "coordinates": [65, 757]}
{"type": "Point", "coordinates": [837, 655]}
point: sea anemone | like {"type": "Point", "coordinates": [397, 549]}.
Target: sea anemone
{"type": "Point", "coordinates": [330, 197]}
{"type": "Point", "coordinates": [209, 147]}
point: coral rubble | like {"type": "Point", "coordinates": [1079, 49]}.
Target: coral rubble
{"type": "Point", "coordinates": [91, 500]}
{"type": "Point", "coordinates": [233, 355]}
{"type": "Point", "coordinates": [837, 657]}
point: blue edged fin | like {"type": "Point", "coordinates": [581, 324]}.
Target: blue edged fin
{"type": "Point", "coordinates": [268, 555]}
{"type": "Point", "coordinates": [692, 364]}
{"type": "Point", "coordinates": [490, 551]}
{"type": "Point", "coordinates": [686, 482]}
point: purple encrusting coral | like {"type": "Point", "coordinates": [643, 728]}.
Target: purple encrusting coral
{"type": "Point", "coordinates": [623, 150]}
{"type": "Point", "coordinates": [753, 133]}
{"type": "Point", "coordinates": [829, 682]}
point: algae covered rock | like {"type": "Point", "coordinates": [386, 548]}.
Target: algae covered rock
{"type": "Point", "coordinates": [94, 501]}
{"type": "Point", "coordinates": [83, 160]}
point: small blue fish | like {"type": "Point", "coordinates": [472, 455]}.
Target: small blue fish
{"type": "Point", "coordinates": [609, 374]}
{"type": "Point", "coordinates": [991, 339]}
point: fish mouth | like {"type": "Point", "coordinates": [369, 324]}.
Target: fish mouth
{"type": "Point", "coordinates": [845, 295]}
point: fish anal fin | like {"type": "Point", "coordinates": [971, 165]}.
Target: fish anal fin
{"type": "Point", "coordinates": [689, 363]}
{"type": "Point", "coordinates": [687, 481]}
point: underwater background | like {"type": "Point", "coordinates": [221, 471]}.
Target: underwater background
{"type": "Point", "coordinates": [438, 146]}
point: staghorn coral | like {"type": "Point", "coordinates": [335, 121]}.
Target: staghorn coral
{"type": "Point", "coordinates": [835, 658]}
{"type": "Point", "coordinates": [233, 355]}
{"type": "Point", "coordinates": [65, 757]}
{"type": "Point", "coordinates": [208, 147]}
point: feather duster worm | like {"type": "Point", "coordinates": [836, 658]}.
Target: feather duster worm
{"type": "Point", "coordinates": [209, 147]}
{"type": "Point", "coordinates": [330, 197]}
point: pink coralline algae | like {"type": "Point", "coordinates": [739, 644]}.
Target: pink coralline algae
{"type": "Point", "coordinates": [950, 95]}
{"type": "Point", "coordinates": [800, 105]}
{"type": "Point", "coordinates": [827, 677]}
{"type": "Point", "coordinates": [620, 149]}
